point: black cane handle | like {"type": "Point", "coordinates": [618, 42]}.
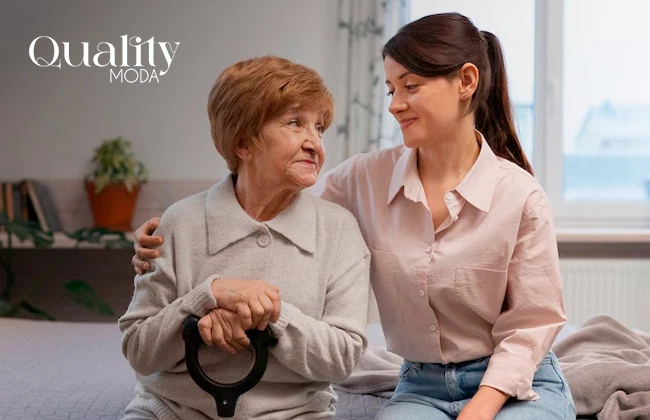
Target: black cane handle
{"type": "Point", "coordinates": [225, 395]}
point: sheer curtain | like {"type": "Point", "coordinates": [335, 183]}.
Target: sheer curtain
{"type": "Point", "coordinates": [363, 26]}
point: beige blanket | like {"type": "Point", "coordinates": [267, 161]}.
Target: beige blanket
{"type": "Point", "coordinates": [376, 374]}
{"type": "Point", "coordinates": [607, 366]}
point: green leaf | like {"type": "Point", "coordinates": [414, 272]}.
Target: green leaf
{"type": "Point", "coordinates": [118, 244]}
{"type": "Point", "coordinates": [29, 308]}
{"type": "Point", "coordinates": [113, 163]}
{"type": "Point", "coordinates": [83, 294]}
{"type": "Point", "coordinates": [109, 238]}
{"type": "Point", "coordinates": [93, 236]}
{"type": "Point", "coordinates": [30, 230]}
{"type": "Point", "coordinates": [5, 308]}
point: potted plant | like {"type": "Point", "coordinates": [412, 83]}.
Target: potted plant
{"type": "Point", "coordinates": [113, 184]}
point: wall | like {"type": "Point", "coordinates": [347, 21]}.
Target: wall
{"type": "Point", "coordinates": [51, 118]}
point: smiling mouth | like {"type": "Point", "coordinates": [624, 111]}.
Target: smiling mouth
{"type": "Point", "coordinates": [404, 124]}
{"type": "Point", "coordinates": [308, 162]}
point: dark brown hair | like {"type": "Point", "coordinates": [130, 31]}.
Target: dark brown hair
{"type": "Point", "coordinates": [438, 46]}
{"type": "Point", "coordinates": [249, 93]}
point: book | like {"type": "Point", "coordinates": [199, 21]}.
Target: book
{"type": "Point", "coordinates": [38, 208]}
{"type": "Point", "coordinates": [9, 200]}
{"type": "Point", "coordinates": [47, 205]}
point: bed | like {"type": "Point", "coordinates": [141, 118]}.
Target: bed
{"type": "Point", "coordinates": [66, 370]}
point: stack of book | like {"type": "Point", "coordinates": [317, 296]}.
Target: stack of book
{"type": "Point", "coordinates": [30, 200]}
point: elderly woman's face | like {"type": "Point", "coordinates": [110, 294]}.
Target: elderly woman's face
{"type": "Point", "coordinates": [293, 153]}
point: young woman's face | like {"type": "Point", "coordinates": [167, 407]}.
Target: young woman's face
{"type": "Point", "coordinates": [428, 109]}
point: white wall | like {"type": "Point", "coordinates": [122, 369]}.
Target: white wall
{"type": "Point", "coordinates": [51, 119]}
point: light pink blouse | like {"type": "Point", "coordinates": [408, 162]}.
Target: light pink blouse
{"type": "Point", "coordinates": [486, 282]}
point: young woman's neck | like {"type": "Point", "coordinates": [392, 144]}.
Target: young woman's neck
{"type": "Point", "coordinates": [448, 160]}
{"type": "Point", "coordinates": [260, 200]}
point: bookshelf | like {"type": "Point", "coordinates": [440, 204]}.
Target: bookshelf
{"type": "Point", "coordinates": [61, 241]}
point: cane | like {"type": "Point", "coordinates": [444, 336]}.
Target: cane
{"type": "Point", "coordinates": [225, 395]}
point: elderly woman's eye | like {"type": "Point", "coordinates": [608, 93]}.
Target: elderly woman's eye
{"type": "Point", "coordinates": [320, 129]}
{"type": "Point", "coordinates": [294, 122]}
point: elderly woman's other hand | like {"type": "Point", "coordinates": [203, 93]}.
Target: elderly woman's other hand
{"type": "Point", "coordinates": [224, 329]}
{"type": "Point", "coordinates": [254, 301]}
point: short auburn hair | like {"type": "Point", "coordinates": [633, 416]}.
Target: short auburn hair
{"type": "Point", "coordinates": [249, 93]}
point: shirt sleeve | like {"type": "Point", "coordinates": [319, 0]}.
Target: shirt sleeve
{"type": "Point", "coordinates": [338, 185]}
{"type": "Point", "coordinates": [151, 328]}
{"type": "Point", "coordinates": [534, 310]}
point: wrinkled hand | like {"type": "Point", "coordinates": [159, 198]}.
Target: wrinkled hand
{"type": "Point", "coordinates": [143, 244]}
{"type": "Point", "coordinates": [224, 329]}
{"type": "Point", "coordinates": [255, 302]}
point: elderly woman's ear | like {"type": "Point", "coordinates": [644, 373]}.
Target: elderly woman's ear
{"type": "Point", "coordinates": [244, 153]}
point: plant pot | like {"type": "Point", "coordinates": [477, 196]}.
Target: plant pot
{"type": "Point", "coordinates": [113, 207]}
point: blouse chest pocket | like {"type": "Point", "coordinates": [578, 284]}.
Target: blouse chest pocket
{"type": "Point", "coordinates": [481, 290]}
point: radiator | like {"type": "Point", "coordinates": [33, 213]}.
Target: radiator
{"type": "Point", "coordinates": [615, 287]}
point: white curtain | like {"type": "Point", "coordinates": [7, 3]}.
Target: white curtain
{"type": "Point", "coordinates": [363, 27]}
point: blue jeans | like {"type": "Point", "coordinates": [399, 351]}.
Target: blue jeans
{"type": "Point", "coordinates": [435, 391]}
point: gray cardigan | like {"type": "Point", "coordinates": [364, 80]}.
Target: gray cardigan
{"type": "Point", "coordinates": [312, 251]}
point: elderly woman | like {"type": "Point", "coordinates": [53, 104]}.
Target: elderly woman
{"type": "Point", "coordinates": [254, 250]}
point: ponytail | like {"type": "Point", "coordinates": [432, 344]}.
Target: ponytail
{"type": "Point", "coordinates": [494, 117]}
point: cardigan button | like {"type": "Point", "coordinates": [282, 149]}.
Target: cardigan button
{"type": "Point", "coordinates": [263, 240]}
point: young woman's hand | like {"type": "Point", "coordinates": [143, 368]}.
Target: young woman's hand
{"type": "Point", "coordinates": [143, 244]}
{"type": "Point", "coordinates": [484, 405]}
{"type": "Point", "coordinates": [224, 329]}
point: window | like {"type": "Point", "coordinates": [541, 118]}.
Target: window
{"type": "Point", "coordinates": [593, 67]}
{"type": "Point", "coordinates": [578, 82]}
{"type": "Point", "coordinates": [517, 37]}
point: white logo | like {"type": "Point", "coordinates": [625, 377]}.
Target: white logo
{"type": "Point", "coordinates": [106, 56]}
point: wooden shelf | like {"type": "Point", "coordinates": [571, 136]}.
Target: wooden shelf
{"type": "Point", "coordinates": [61, 241]}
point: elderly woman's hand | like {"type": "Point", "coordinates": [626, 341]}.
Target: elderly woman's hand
{"type": "Point", "coordinates": [254, 301]}
{"type": "Point", "coordinates": [224, 328]}
{"type": "Point", "coordinates": [143, 244]}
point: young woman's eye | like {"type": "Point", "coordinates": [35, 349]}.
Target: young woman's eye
{"type": "Point", "coordinates": [390, 93]}
{"type": "Point", "coordinates": [411, 88]}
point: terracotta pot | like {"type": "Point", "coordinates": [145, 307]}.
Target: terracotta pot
{"type": "Point", "coordinates": [113, 207]}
